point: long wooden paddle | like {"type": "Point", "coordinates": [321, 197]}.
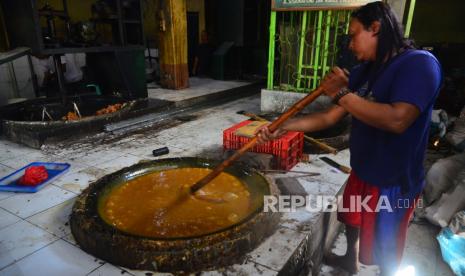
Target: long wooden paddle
{"type": "Point", "coordinates": [272, 127]}
{"type": "Point", "coordinates": [188, 191]}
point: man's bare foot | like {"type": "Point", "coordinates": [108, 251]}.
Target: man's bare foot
{"type": "Point", "coordinates": [343, 262]}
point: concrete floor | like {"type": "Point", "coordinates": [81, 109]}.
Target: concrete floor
{"type": "Point", "coordinates": [35, 237]}
{"type": "Point", "coordinates": [421, 251]}
{"type": "Point", "coordinates": [197, 87]}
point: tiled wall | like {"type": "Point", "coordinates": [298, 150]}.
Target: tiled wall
{"type": "Point", "coordinates": [23, 78]}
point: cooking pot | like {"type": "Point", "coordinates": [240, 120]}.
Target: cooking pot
{"type": "Point", "coordinates": [187, 254]}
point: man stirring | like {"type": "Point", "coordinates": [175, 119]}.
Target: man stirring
{"type": "Point", "coordinates": [390, 96]}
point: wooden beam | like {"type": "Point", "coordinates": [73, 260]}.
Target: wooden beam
{"type": "Point", "coordinates": [173, 44]}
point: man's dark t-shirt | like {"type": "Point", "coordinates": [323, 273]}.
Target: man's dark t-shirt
{"type": "Point", "coordinates": [383, 158]}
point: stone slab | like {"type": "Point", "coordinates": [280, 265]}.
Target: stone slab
{"type": "Point", "coordinates": [274, 101]}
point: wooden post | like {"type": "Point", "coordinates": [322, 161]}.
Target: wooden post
{"type": "Point", "coordinates": [174, 73]}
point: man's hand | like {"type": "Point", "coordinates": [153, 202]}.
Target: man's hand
{"type": "Point", "coordinates": [264, 135]}
{"type": "Point", "coordinates": [334, 81]}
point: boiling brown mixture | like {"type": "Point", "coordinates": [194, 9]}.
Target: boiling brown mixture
{"type": "Point", "coordinates": [149, 205]}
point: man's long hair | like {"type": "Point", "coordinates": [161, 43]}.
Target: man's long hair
{"type": "Point", "coordinates": [391, 39]}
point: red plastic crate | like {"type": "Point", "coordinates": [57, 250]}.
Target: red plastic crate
{"type": "Point", "coordinates": [287, 150]}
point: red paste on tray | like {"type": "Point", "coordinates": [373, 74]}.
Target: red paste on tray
{"type": "Point", "coordinates": [33, 176]}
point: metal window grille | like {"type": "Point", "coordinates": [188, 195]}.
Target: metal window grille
{"type": "Point", "coordinates": [303, 47]}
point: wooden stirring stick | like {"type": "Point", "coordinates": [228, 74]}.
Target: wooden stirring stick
{"type": "Point", "coordinates": [187, 191]}
{"type": "Point", "coordinates": [272, 127]}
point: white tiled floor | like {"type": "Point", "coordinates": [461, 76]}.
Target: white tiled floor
{"type": "Point", "coordinates": [28, 204]}
{"type": "Point", "coordinates": [9, 150]}
{"type": "Point", "coordinates": [18, 161]}
{"type": "Point", "coordinates": [59, 258]}
{"type": "Point", "coordinates": [7, 218]}
{"type": "Point", "coordinates": [96, 156]}
{"type": "Point", "coordinates": [21, 239]}
{"type": "Point", "coordinates": [4, 170]}
{"type": "Point", "coordinates": [118, 163]}
{"type": "Point", "coordinates": [55, 219]}
{"type": "Point", "coordinates": [35, 237]}
{"type": "Point", "coordinates": [77, 181]}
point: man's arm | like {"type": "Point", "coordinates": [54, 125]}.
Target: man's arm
{"type": "Point", "coordinates": [308, 123]}
{"type": "Point", "coordinates": [315, 121]}
{"type": "Point", "coordinates": [395, 117]}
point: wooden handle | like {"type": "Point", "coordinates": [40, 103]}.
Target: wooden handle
{"type": "Point", "coordinates": [321, 145]}
{"type": "Point", "coordinates": [345, 169]}
{"type": "Point", "coordinates": [255, 117]}
{"type": "Point", "coordinates": [272, 127]}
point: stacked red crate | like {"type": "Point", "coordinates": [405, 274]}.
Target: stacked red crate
{"type": "Point", "coordinates": [287, 149]}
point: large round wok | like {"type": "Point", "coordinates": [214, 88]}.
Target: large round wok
{"type": "Point", "coordinates": [208, 251]}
